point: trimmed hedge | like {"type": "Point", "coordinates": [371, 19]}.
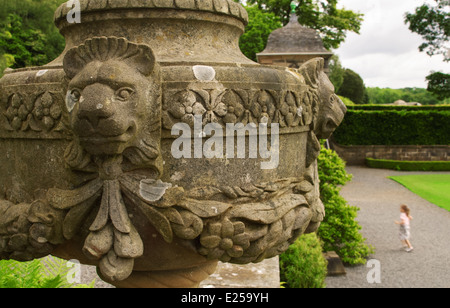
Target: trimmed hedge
{"type": "Point", "coordinates": [399, 108]}
{"type": "Point", "coordinates": [408, 165]}
{"type": "Point", "coordinates": [395, 127]}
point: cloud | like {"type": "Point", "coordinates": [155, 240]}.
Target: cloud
{"type": "Point", "coordinates": [386, 52]}
{"type": "Point", "coordinates": [393, 71]}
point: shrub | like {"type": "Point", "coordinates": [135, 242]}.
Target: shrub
{"type": "Point", "coordinates": [339, 231]}
{"type": "Point", "coordinates": [332, 169]}
{"type": "Point", "coordinates": [303, 265]}
{"type": "Point", "coordinates": [408, 165]}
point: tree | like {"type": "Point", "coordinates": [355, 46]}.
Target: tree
{"type": "Point", "coordinates": [26, 46]}
{"type": "Point", "coordinates": [323, 15]}
{"type": "Point", "coordinates": [257, 32]}
{"type": "Point", "coordinates": [353, 87]}
{"type": "Point", "coordinates": [433, 24]}
{"type": "Point", "coordinates": [439, 84]}
{"type": "Point", "coordinates": [388, 96]}
{"type": "Point", "coordinates": [337, 72]}
{"type": "Point", "coordinates": [27, 34]}
{"type": "Point", "coordinates": [6, 60]}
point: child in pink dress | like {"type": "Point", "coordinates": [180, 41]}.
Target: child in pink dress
{"type": "Point", "coordinates": [404, 223]}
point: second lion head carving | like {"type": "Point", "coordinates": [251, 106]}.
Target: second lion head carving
{"type": "Point", "coordinates": [113, 100]}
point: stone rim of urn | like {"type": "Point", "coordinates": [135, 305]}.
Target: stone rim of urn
{"type": "Point", "coordinates": [163, 148]}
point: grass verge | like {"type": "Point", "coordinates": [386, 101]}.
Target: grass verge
{"type": "Point", "coordinates": [432, 187]}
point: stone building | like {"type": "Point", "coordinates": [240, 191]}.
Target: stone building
{"type": "Point", "coordinates": [293, 45]}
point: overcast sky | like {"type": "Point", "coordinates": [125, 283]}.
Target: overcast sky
{"type": "Point", "coordinates": [386, 53]}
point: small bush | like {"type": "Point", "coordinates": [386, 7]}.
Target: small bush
{"type": "Point", "coordinates": [303, 265]}
{"type": "Point", "coordinates": [332, 169]}
{"type": "Point", "coordinates": [340, 231]}
{"type": "Point", "coordinates": [408, 165]}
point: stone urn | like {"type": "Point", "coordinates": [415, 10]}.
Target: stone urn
{"type": "Point", "coordinates": [153, 148]}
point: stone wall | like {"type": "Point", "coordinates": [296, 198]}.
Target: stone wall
{"type": "Point", "coordinates": [356, 155]}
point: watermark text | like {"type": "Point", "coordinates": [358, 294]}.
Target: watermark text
{"type": "Point", "coordinates": [208, 142]}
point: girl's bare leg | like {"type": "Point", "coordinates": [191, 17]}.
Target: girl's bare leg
{"type": "Point", "coordinates": [408, 244]}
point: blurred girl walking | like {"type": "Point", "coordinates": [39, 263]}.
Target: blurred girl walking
{"type": "Point", "coordinates": [405, 219]}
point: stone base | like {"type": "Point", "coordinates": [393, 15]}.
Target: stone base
{"type": "Point", "coordinates": [261, 275]}
{"type": "Point", "coordinates": [335, 266]}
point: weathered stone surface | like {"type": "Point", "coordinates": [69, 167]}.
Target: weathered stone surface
{"type": "Point", "coordinates": [89, 158]}
{"type": "Point", "coordinates": [261, 275]}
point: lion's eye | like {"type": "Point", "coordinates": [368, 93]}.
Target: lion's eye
{"type": "Point", "coordinates": [124, 94]}
{"type": "Point", "coordinates": [73, 97]}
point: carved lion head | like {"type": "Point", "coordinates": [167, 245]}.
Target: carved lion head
{"type": "Point", "coordinates": [331, 110]}
{"type": "Point", "coordinates": [113, 98]}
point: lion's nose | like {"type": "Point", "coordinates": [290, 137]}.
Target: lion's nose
{"type": "Point", "coordinates": [96, 104]}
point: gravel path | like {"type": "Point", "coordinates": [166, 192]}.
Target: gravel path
{"type": "Point", "coordinates": [379, 199]}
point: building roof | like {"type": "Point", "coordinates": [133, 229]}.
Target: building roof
{"type": "Point", "coordinates": [294, 39]}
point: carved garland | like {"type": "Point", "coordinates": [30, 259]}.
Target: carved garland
{"type": "Point", "coordinates": [255, 223]}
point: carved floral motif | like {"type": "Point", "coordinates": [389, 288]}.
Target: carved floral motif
{"type": "Point", "coordinates": [47, 111]}
{"type": "Point", "coordinates": [17, 112]}
{"type": "Point", "coordinates": [185, 106]}
{"type": "Point", "coordinates": [43, 113]}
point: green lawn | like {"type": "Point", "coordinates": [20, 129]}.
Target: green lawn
{"type": "Point", "coordinates": [433, 187]}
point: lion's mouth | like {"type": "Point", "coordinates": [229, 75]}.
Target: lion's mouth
{"type": "Point", "coordinates": [99, 138]}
